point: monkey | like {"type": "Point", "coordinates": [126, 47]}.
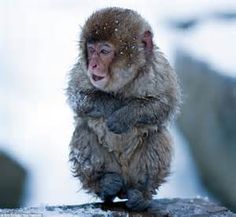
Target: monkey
{"type": "Point", "coordinates": [123, 93]}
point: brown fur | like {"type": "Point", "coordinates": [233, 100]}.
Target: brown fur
{"type": "Point", "coordinates": [139, 104]}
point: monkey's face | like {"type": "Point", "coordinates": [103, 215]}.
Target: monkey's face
{"type": "Point", "coordinates": [115, 45]}
{"type": "Point", "coordinates": [107, 69]}
{"type": "Point", "coordinates": [100, 56]}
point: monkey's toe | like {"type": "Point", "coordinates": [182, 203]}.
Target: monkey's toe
{"type": "Point", "coordinates": [136, 201]}
{"type": "Point", "coordinates": [110, 185]}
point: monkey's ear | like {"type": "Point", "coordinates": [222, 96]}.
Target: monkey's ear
{"type": "Point", "coordinates": [147, 41]}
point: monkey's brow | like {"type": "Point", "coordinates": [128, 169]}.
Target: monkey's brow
{"type": "Point", "coordinates": [105, 44]}
{"type": "Point", "coordinates": [101, 44]}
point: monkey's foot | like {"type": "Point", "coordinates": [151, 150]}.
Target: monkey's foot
{"type": "Point", "coordinates": [136, 201]}
{"type": "Point", "coordinates": [110, 185]}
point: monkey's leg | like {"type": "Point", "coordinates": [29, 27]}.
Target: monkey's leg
{"type": "Point", "coordinates": [155, 157]}
{"type": "Point", "coordinates": [110, 185]}
{"type": "Point", "coordinates": [93, 164]}
{"type": "Point", "coordinates": [136, 200]}
{"type": "Point", "coordinates": [86, 157]}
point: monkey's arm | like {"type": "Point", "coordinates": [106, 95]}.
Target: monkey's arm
{"type": "Point", "coordinates": [146, 111]}
{"type": "Point", "coordinates": [96, 104]}
{"type": "Point", "coordinates": [154, 111]}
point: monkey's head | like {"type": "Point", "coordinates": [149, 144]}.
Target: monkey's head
{"type": "Point", "coordinates": [115, 45]}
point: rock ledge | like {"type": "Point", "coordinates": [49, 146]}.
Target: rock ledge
{"type": "Point", "coordinates": [159, 208]}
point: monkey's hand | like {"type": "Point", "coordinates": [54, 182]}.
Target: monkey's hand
{"type": "Point", "coordinates": [121, 121]}
{"type": "Point", "coordinates": [97, 104]}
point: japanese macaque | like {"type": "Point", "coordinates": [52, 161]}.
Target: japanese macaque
{"type": "Point", "coordinates": [123, 93]}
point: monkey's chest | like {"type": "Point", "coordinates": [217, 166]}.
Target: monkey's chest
{"type": "Point", "coordinates": [124, 151]}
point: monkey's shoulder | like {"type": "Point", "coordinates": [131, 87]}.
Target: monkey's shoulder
{"type": "Point", "coordinates": [146, 84]}
{"type": "Point", "coordinates": [157, 80]}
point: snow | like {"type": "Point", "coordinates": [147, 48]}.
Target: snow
{"type": "Point", "coordinates": [44, 211]}
{"type": "Point", "coordinates": [214, 43]}
{"type": "Point", "coordinates": [38, 46]}
{"type": "Point", "coordinates": [86, 212]}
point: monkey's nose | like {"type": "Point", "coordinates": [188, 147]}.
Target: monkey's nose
{"type": "Point", "coordinates": [94, 66]}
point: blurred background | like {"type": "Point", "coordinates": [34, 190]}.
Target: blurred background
{"type": "Point", "coordinates": [38, 47]}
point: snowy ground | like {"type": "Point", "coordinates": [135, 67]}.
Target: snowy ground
{"type": "Point", "coordinates": [38, 42]}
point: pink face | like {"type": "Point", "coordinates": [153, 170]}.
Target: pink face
{"type": "Point", "coordinates": [100, 56]}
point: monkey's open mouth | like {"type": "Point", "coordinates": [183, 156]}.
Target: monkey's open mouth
{"type": "Point", "coordinates": [97, 78]}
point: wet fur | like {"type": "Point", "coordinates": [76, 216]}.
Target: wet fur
{"type": "Point", "coordinates": [121, 145]}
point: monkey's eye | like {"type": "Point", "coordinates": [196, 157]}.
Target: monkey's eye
{"type": "Point", "coordinates": [104, 51]}
{"type": "Point", "coordinates": [91, 50]}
